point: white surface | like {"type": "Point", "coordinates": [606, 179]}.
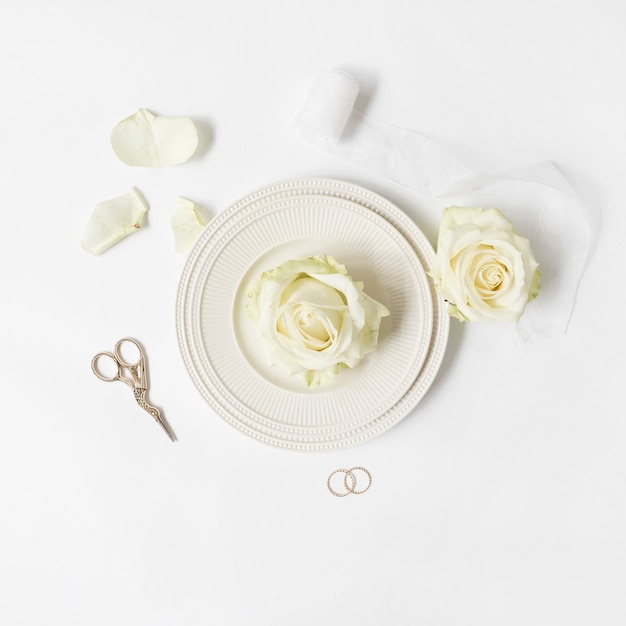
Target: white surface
{"type": "Point", "coordinates": [500, 500]}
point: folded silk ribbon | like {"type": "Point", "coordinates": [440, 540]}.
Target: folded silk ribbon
{"type": "Point", "coordinates": [537, 199]}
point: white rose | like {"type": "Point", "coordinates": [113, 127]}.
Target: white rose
{"type": "Point", "coordinates": [313, 318]}
{"type": "Point", "coordinates": [483, 268]}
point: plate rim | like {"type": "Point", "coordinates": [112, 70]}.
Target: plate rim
{"type": "Point", "coordinates": [408, 230]}
{"type": "Point", "coordinates": [211, 379]}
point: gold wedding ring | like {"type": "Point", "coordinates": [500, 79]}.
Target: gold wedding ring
{"type": "Point", "coordinates": [350, 481]}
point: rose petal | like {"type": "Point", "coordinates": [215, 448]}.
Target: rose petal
{"type": "Point", "coordinates": [112, 220]}
{"type": "Point", "coordinates": [144, 139]}
{"type": "Point", "coordinates": [187, 223]}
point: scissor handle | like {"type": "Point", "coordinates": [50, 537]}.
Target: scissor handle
{"type": "Point", "coordinates": [121, 360]}
{"type": "Point", "coordinates": [99, 374]}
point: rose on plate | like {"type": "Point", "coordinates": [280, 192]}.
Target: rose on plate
{"type": "Point", "coordinates": [313, 319]}
{"type": "Point", "coordinates": [483, 268]}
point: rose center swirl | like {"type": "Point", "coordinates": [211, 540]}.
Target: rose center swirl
{"type": "Point", "coordinates": [311, 314]}
{"type": "Point", "coordinates": [490, 272]}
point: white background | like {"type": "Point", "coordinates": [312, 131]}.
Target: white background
{"type": "Point", "coordinates": [499, 500]}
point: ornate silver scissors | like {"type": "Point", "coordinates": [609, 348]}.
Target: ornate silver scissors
{"type": "Point", "coordinates": [134, 374]}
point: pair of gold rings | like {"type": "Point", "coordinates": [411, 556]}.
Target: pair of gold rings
{"type": "Point", "coordinates": [349, 483]}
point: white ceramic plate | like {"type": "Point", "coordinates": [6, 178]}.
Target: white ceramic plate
{"type": "Point", "coordinates": [219, 343]}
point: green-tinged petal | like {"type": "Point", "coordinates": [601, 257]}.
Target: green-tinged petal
{"type": "Point", "coordinates": [535, 286]}
{"type": "Point", "coordinates": [453, 311]}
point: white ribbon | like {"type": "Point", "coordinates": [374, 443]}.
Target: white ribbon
{"type": "Point", "coordinates": [537, 199]}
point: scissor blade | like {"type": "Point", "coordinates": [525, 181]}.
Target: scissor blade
{"type": "Point", "coordinates": [164, 426]}
{"type": "Point", "coordinates": [140, 396]}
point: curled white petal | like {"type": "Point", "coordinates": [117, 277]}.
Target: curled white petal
{"type": "Point", "coordinates": [187, 223]}
{"type": "Point", "coordinates": [148, 140]}
{"type": "Point", "coordinates": [112, 220]}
